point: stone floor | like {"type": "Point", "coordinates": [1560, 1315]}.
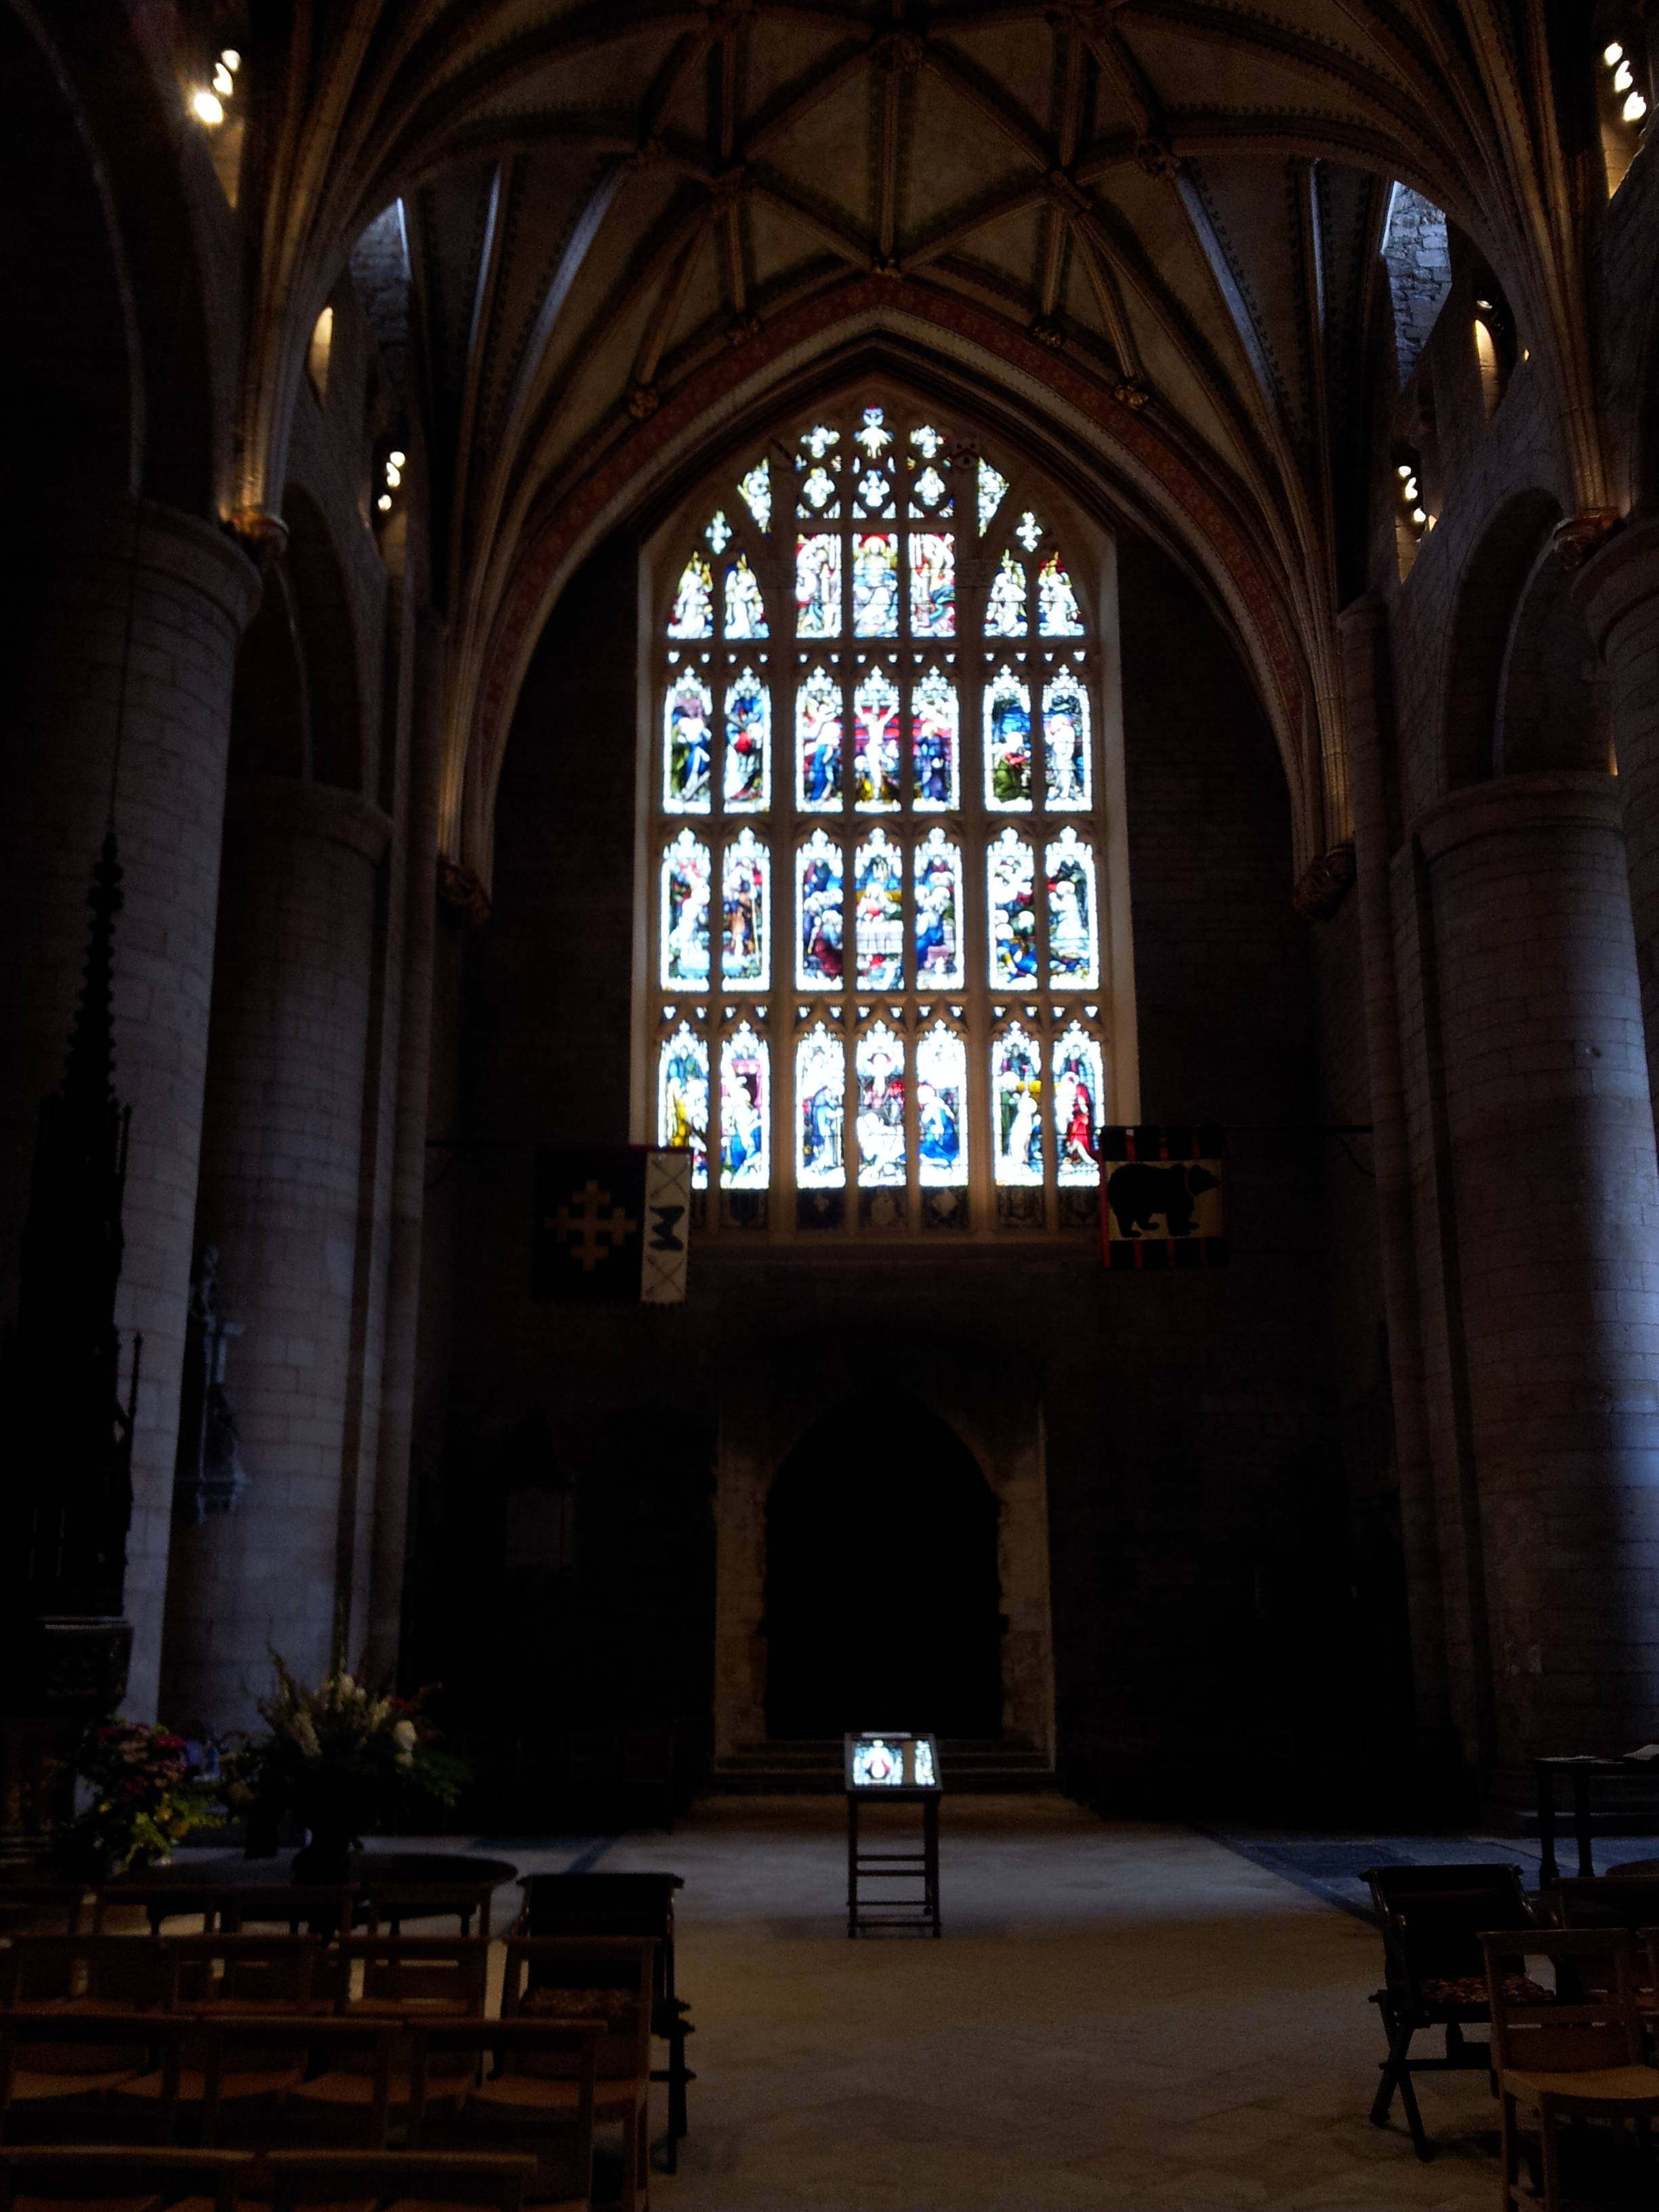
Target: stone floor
{"type": "Point", "coordinates": [1118, 2014]}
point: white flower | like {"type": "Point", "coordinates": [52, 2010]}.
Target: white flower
{"type": "Point", "coordinates": [403, 1735]}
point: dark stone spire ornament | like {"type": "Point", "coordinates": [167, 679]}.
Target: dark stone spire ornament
{"type": "Point", "coordinates": [66, 1492]}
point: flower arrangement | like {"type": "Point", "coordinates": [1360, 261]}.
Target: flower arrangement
{"type": "Point", "coordinates": [339, 1758]}
{"type": "Point", "coordinates": [148, 1793]}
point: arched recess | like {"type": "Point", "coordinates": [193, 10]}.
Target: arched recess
{"type": "Point", "coordinates": [1117, 465]}
{"type": "Point", "coordinates": [322, 606]}
{"type": "Point", "coordinates": [1552, 707]}
{"type": "Point", "coordinates": [992, 1406]}
{"type": "Point", "coordinates": [269, 732]}
{"type": "Point", "coordinates": [1493, 580]}
{"type": "Point", "coordinates": [882, 1595]}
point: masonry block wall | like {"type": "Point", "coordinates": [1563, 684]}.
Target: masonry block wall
{"type": "Point", "coordinates": [1197, 1531]}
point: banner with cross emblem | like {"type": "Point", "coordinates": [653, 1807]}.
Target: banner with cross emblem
{"type": "Point", "coordinates": [611, 1226]}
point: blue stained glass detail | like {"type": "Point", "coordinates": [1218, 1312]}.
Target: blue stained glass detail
{"type": "Point", "coordinates": [875, 585]}
{"type": "Point", "coordinates": [694, 602]}
{"type": "Point", "coordinates": [746, 611]}
{"type": "Point", "coordinates": [1073, 937]}
{"type": "Point", "coordinates": [877, 1765]}
{"type": "Point", "coordinates": [745, 1112]}
{"type": "Point", "coordinates": [941, 1108]}
{"type": "Point", "coordinates": [1079, 1081]}
{"type": "Point", "coordinates": [820, 951]}
{"type": "Point", "coordinates": [686, 895]}
{"type": "Point", "coordinates": [748, 745]}
{"type": "Point", "coordinates": [683, 1099]}
{"type": "Point", "coordinates": [1058, 614]}
{"type": "Point", "coordinates": [746, 940]}
{"type": "Point", "coordinates": [820, 1109]}
{"type": "Point", "coordinates": [818, 742]}
{"type": "Point", "coordinates": [933, 584]}
{"type": "Point", "coordinates": [938, 914]}
{"type": "Point", "coordinates": [872, 437]}
{"type": "Point", "coordinates": [878, 1064]}
{"type": "Point", "coordinates": [688, 745]}
{"type": "Point", "coordinates": [876, 745]}
{"type": "Point", "coordinates": [1011, 870]}
{"type": "Point", "coordinates": [933, 726]}
{"type": "Point", "coordinates": [992, 485]}
{"type": "Point", "coordinates": [880, 915]}
{"type": "Point", "coordinates": [1005, 610]}
{"type": "Point", "coordinates": [1067, 753]}
{"type": "Point", "coordinates": [1017, 1107]}
{"type": "Point", "coordinates": [1007, 745]}
{"type": "Point", "coordinates": [817, 585]}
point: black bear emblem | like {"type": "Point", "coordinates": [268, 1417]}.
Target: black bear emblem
{"type": "Point", "coordinates": [1138, 1194]}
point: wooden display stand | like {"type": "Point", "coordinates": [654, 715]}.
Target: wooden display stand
{"type": "Point", "coordinates": [892, 1768]}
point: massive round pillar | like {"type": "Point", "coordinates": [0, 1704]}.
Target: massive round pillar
{"type": "Point", "coordinates": [280, 1169]}
{"type": "Point", "coordinates": [1618, 595]}
{"type": "Point", "coordinates": [184, 592]}
{"type": "Point", "coordinates": [1555, 1196]}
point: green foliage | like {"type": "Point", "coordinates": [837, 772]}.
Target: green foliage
{"type": "Point", "coordinates": [147, 1796]}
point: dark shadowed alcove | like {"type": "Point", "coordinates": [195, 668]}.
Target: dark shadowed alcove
{"type": "Point", "coordinates": [882, 1598]}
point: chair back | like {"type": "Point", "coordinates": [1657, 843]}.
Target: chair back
{"type": "Point", "coordinates": [268, 2045]}
{"type": "Point", "coordinates": [1432, 1919]}
{"type": "Point", "coordinates": [92, 2047]}
{"type": "Point", "coordinates": [313, 1908]}
{"type": "Point", "coordinates": [604, 1905]}
{"type": "Point", "coordinates": [1590, 2020]}
{"type": "Point", "coordinates": [80, 2173]}
{"type": "Point", "coordinates": [301, 2177]}
{"type": "Point", "coordinates": [109, 1973]}
{"type": "Point", "coordinates": [604, 1980]}
{"type": "Point", "coordinates": [157, 1901]}
{"type": "Point", "coordinates": [387, 1905]}
{"type": "Point", "coordinates": [246, 1973]}
{"type": "Point", "coordinates": [431, 1975]}
{"type": "Point", "coordinates": [49, 1908]}
{"type": "Point", "coordinates": [444, 2051]}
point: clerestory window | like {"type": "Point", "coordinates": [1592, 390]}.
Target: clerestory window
{"type": "Point", "coordinates": [877, 966]}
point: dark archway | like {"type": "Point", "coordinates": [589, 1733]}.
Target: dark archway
{"type": "Point", "coordinates": [882, 1597]}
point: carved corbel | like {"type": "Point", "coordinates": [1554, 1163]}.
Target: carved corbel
{"type": "Point", "coordinates": [461, 890]}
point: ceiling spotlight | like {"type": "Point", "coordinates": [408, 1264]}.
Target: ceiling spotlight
{"type": "Point", "coordinates": [1403, 471]}
{"type": "Point", "coordinates": [1612, 53]}
{"type": "Point", "coordinates": [384, 503]}
{"type": "Point", "coordinates": [396, 460]}
{"type": "Point", "coordinates": [1418, 515]}
{"type": "Point", "coordinates": [1635, 108]}
{"type": "Point", "coordinates": [231, 58]}
{"type": "Point", "coordinates": [393, 476]}
{"type": "Point", "coordinates": [223, 82]}
{"type": "Point", "coordinates": [1622, 79]}
{"type": "Point", "coordinates": [208, 108]}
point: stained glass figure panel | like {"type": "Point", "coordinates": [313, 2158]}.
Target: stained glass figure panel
{"type": "Point", "coordinates": [694, 602]}
{"type": "Point", "coordinates": [873, 435]}
{"type": "Point", "coordinates": [685, 895]}
{"type": "Point", "coordinates": [942, 1108]}
{"type": "Point", "coordinates": [683, 1099]}
{"type": "Point", "coordinates": [756, 489]}
{"type": "Point", "coordinates": [1007, 743]}
{"type": "Point", "coordinates": [1017, 1107]}
{"type": "Point", "coordinates": [817, 500]}
{"type": "Point", "coordinates": [926, 1777]}
{"type": "Point", "coordinates": [992, 485]}
{"type": "Point", "coordinates": [817, 743]}
{"type": "Point", "coordinates": [935, 754]}
{"type": "Point", "coordinates": [875, 492]}
{"type": "Point", "coordinates": [746, 609]}
{"type": "Point", "coordinates": [1068, 755]}
{"type": "Point", "coordinates": [688, 745]}
{"type": "Point", "coordinates": [746, 931]}
{"type": "Point", "coordinates": [876, 745]}
{"type": "Point", "coordinates": [880, 915]}
{"type": "Point", "coordinates": [748, 745]}
{"type": "Point", "coordinates": [745, 1112]}
{"type": "Point", "coordinates": [819, 949]}
{"type": "Point", "coordinates": [820, 1109]}
{"type": "Point", "coordinates": [817, 585]}
{"type": "Point", "coordinates": [929, 495]}
{"type": "Point", "coordinates": [875, 584]}
{"type": "Point", "coordinates": [878, 1064]}
{"type": "Point", "coordinates": [1011, 869]}
{"type": "Point", "coordinates": [1058, 612]}
{"type": "Point", "coordinates": [938, 914]}
{"type": "Point", "coordinates": [1073, 936]}
{"type": "Point", "coordinates": [877, 1765]}
{"type": "Point", "coordinates": [1079, 1084]}
{"type": "Point", "coordinates": [719, 533]}
{"type": "Point", "coordinates": [933, 583]}
{"type": "Point", "coordinates": [1004, 608]}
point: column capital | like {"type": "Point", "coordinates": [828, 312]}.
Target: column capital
{"type": "Point", "coordinates": [1545, 798]}
{"type": "Point", "coordinates": [164, 540]}
{"type": "Point", "coordinates": [1623, 576]}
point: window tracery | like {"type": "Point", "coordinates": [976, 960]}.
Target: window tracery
{"type": "Point", "coordinates": [866, 916]}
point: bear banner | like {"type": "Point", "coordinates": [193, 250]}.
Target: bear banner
{"type": "Point", "coordinates": [611, 1226]}
{"type": "Point", "coordinates": [1162, 1197]}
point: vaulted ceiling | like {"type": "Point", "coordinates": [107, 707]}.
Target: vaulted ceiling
{"type": "Point", "coordinates": [616, 205]}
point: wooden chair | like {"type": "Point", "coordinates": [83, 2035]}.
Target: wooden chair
{"type": "Point", "coordinates": [88, 1973]}
{"type": "Point", "coordinates": [45, 1908]}
{"type": "Point", "coordinates": [237, 2050]}
{"type": "Point", "coordinates": [1431, 1920]}
{"type": "Point", "coordinates": [274, 1973]}
{"type": "Point", "coordinates": [48, 2059]}
{"type": "Point", "coordinates": [531, 2053]}
{"type": "Point", "coordinates": [601, 1979]}
{"type": "Point", "coordinates": [1579, 2046]}
{"type": "Point", "coordinates": [121, 2177]}
{"type": "Point", "coordinates": [408, 2181]}
{"type": "Point", "coordinates": [158, 1901]}
{"type": "Point", "coordinates": [625, 1905]}
{"type": "Point", "coordinates": [435, 1976]}
{"type": "Point", "coordinates": [387, 1905]}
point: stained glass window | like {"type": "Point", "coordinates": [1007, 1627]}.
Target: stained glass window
{"type": "Point", "coordinates": [1073, 939]}
{"type": "Point", "coordinates": [694, 603]}
{"type": "Point", "coordinates": [818, 953]}
{"type": "Point", "coordinates": [876, 745]}
{"type": "Point", "coordinates": [1007, 743]}
{"type": "Point", "coordinates": [820, 1109]}
{"type": "Point", "coordinates": [748, 745]}
{"type": "Point", "coordinates": [683, 1099]}
{"type": "Point", "coordinates": [746, 611]}
{"type": "Point", "coordinates": [688, 745]}
{"type": "Point", "coordinates": [746, 935]}
{"type": "Point", "coordinates": [875, 585]}
{"type": "Point", "coordinates": [1067, 749]}
{"type": "Point", "coordinates": [818, 586]}
{"type": "Point", "coordinates": [941, 1108]}
{"type": "Point", "coordinates": [938, 914]}
{"type": "Point", "coordinates": [818, 742]}
{"type": "Point", "coordinates": [1011, 869]}
{"type": "Point", "coordinates": [934, 737]}
{"type": "Point", "coordinates": [880, 932]}
{"type": "Point", "coordinates": [1079, 1081]}
{"type": "Point", "coordinates": [919, 710]}
{"type": "Point", "coordinates": [685, 890]}
{"type": "Point", "coordinates": [745, 1112]}
{"type": "Point", "coordinates": [1017, 1107]}
{"type": "Point", "coordinates": [933, 584]}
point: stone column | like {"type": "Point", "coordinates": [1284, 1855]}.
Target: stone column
{"type": "Point", "coordinates": [1619, 595]}
{"type": "Point", "coordinates": [1549, 1132]}
{"type": "Point", "coordinates": [281, 1170]}
{"type": "Point", "coordinates": [189, 592]}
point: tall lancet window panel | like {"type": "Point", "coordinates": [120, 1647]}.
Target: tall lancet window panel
{"type": "Point", "coordinates": [881, 899]}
